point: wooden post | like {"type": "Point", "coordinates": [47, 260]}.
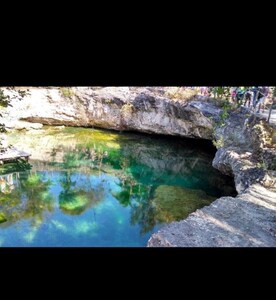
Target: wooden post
{"type": "Point", "coordinates": [270, 110]}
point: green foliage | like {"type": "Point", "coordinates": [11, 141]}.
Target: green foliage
{"type": "Point", "coordinates": [127, 109]}
{"type": "Point", "coordinates": [225, 113]}
{"type": "Point", "coordinates": [174, 203]}
{"type": "Point", "coordinates": [2, 218]}
{"type": "Point", "coordinates": [108, 101]}
{"type": "Point", "coordinates": [4, 102]}
{"type": "Point", "coordinates": [218, 143]}
{"type": "Point", "coordinates": [19, 165]}
{"type": "Point", "coordinates": [2, 128]}
{"type": "Point", "coordinates": [75, 201]}
{"type": "Point", "coordinates": [221, 92]}
{"type": "Point", "coordinates": [273, 166]}
{"type": "Point", "coordinates": [180, 93]}
{"type": "Point", "coordinates": [36, 195]}
{"type": "Point", "coordinates": [262, 165]}
{"type": "Point", "coordinates": [66, 92]}
{"type": "Point", "coordinates": [4, 99]}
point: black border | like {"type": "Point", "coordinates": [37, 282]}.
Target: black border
{"type": "Point", "coordinates": [192, 65]}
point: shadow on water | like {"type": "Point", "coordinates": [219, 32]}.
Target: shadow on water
{"type": "Point", "coordinates": [98, 188]}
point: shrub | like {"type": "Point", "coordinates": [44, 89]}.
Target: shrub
{"type": "Point", "coordinates": [179, 93]}
{"type": "Point", "coordinates": [66, 92]}
{"type": "Point", "coordinates": [127, 109]}
{"type": "Point", "coordinates": [219, 143]}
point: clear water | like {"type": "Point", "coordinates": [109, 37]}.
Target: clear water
{"type": "Point", "coordinates": [87, 187]}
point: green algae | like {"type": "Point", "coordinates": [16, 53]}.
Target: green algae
{"type": "Point", "coordinates": [2, 218]}
{"type": "Point", "coordinates": [174, 203]}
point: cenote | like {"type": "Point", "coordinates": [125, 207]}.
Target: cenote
{"type": "Point", "coordinates": [87, 187]}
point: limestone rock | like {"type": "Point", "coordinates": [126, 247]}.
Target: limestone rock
{"type": "Point", "coordinates": [121, 108]}
{"type": "Point", "coordinates": [248, 220]}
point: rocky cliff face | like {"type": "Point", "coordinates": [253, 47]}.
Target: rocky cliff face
{"type": "Point", "coordinates": [121, 108]}
{"type": "Point", "coordinates": [246, 151]}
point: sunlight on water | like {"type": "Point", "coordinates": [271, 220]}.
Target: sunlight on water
{"type": "Point", "coordinates": [60, 226]}
{"type": "Point", "coordinates": [29, 237]}
{"type": "Point", "coordinates": [2, 240]}
{"type": "Point", "coordinates": [87, 187]}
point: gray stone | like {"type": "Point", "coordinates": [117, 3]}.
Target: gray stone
{"type": "Point", "coordinates": [119, 108]}
{"type": "Point", "coordinates": [248, 220]}
{"type": "Point", "coordinates": [245, 221]}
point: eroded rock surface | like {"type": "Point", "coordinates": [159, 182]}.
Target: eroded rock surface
{"type": "Point", "coordinates": [120, 108]}
{"type": "Point", "coordinates": [247, 152]}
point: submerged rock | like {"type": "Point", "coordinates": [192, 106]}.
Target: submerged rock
{"type": "Point", "coordinates": [75, 206]}
{"type": "Point", "coordinates": [173, 203]}
{"type": "Point", "coordinates": [245, 221]}
{"type": "Point", "coordinates": [2, 218]}
{"type": "Point", "coordinates": [76, 202]}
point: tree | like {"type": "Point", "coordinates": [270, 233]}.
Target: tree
{"type": "Point", "coordinates": [5, 101]}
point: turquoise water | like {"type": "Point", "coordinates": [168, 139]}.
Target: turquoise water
{"type": "Point", "coordinates": [86, 187]}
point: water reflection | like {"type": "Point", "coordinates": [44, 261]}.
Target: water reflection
{"type": "Point", "coordinates": [96, 188]}
{"type": "Point", "coordinates": [29, 198]}
{"type": "Point", "coordinates": [74, 199]}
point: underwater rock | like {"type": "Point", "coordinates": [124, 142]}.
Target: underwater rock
{"type": "Point", "coordinates": [2, 218]}
{"type": "Point", "coordinates": [174, 203]}
{"type": "Point", "coordinates": [76, 202]}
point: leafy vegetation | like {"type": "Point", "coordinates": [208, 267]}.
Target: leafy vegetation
{"type": "Point", "coordinates": [127, 109]}
{"type": "Point", "coordinates": [225, 113]}
{"type": "Point", "coordinates": [5, 100]}
{"type": "Point", "coordinates": [19, 165]}
{"type": "Point", "coordinates": [173, 203]}
{"type": "Point", "coordinates": [220, 92]}
{"type": "Point", "coordinates": [219, 143]}
{"type": "Point", "coordinates": [2, 218]}
{"type": "Point", "coordinates": [37, 199]}
{"type": "Point", "coordinates": [66, 92]}
{"type": "Point", "coordinates": [180, 93]}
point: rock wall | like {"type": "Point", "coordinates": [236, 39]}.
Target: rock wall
{"type": "Point", "coordinates": [246, 151]}
{"type": "Point", "coordinates": [120, 108]}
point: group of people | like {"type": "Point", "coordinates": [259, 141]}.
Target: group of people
{"type": "Point", "coordinates": [252, 97]}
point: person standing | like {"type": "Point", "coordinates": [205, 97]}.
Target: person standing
{"type": "Point", "coordinates": [263, 92]}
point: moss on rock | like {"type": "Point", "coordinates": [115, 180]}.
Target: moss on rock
{"type": "Point", "coordinates": [174, 203]}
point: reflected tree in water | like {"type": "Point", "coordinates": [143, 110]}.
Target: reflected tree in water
{"type": "Point", "coordinates": [137, 196]}
{"type": "Point", "coordinates": [73, 199]}
{"type": "Point", "coordinates": [29, 199]}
